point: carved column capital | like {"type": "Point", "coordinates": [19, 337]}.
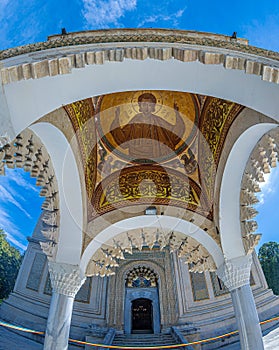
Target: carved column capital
{"type": "Point", "coordinates": [65, 279]}
{"type": "Point", "coordinates": [235, 273]}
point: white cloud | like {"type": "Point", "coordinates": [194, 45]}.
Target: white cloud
{"type": "Point", "coordinates": [7, 196]}
{"type": "Point", "coordinates": [18, 178]}
{"type": "Point", "coordinates": [173, 18]}
{"type": "Point", "coordinates": [269, 186]}
{"type": "Point", "coordinates": [263, 33]}
{"type": "Point", "coordinates": [101, 13]}
{"type": "Point", "coordinates": [15, 242]}
{"type": "Point", "coordinates": [13, 234]}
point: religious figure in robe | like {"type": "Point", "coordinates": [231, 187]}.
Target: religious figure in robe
{"type": "Point", "coordinates": [147, 136]}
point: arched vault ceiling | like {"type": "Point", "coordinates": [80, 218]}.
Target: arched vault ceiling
{"type": "Point", "coordinates": [167, 157]}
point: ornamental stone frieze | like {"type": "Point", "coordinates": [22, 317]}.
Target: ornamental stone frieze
{"type": "Point", "coordinates": [185, 46]}
{"type": "Point", "coordinates": [235, 273]}
{"type": "Point", "coordinates": [65, 279]}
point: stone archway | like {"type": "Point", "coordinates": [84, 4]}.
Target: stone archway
{"type": "Point", "coordinates": [188, 65]}
{"type": "Point", "coordinates": [142, 307]}
{"type": "Point", "coordinates": [27, 151]}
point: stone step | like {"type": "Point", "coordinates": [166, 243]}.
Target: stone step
{"type": "Point", "coordinates": [167, 336]}
{"type": "Point", "coordinates": [143, 340]}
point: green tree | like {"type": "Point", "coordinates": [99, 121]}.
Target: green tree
{"type": "Point", "coordinates": [269, 259]}
{"type": "Point", "coordinates": [10, 260]}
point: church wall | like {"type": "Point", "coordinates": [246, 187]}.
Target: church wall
{"type": "Point", "coordinates": [28, 304]}
{"type": "Point", "coordinates": [211, 311]}
{"type": "Point", "coordinates": [202, 306]}
{"type": "Point", "coordinates": [159, 262]}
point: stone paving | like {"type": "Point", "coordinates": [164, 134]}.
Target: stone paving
{"type": "Point", "coordinates": [13, 341]}
{"type": "Point", "coordinates": [271, 340]}
{"type": "Point", "coordinates": [10, 340]}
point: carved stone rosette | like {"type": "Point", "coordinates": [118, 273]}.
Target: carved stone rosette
{"type": "Point", "coordinates": [235, 273]}
{"type": "Point", "coordinates": [65, 279]}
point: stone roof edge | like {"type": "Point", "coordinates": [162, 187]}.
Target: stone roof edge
{"type": "Point", "coordinates": [64, 62]}
{"type": "Point", "coordinates": [141, 35]}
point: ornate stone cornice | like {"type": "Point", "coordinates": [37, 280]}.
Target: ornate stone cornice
{"type": "Point", "coordinates": [138, 44]}
{"type": "Point", "coordinates": [235, 273]}
{"type": "Point", "coordinates": [65, 279]}
{"type": "Point", "coordinates": [140, 35]}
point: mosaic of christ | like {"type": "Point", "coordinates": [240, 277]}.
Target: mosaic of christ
{"type": "Point", "coordinates": [147, 126]}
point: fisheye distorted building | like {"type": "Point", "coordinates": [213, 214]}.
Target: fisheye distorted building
{"type": "Point", "coordinates": [149, 146]}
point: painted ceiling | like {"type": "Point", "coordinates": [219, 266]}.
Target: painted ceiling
{"type": "Point", "coordinates": [151, 147]}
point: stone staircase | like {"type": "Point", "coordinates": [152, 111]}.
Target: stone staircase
{"type": "Point", "coordinates": [142, 340]}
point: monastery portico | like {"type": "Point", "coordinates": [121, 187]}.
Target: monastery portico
{"type": "Point", "coordinates": [149, 145]}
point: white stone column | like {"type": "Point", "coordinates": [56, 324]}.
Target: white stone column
{"type": "Point", "coordinates": [66, 281]}
{"type": "Point", "coordinates": [235, 274]}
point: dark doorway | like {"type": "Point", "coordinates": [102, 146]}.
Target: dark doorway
{"type": "Point", "coordinates": [142, 320]}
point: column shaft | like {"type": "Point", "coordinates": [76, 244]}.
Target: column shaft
{"type": "Point", "coordinates": [66, 281]}
{"type": "Point", "coordinates": [59, 321]}
{"type": "Point", "coordinates": [247, 318]}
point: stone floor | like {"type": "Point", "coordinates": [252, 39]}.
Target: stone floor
{"type": "Point", "coordinates": [271, 340]}
{"type": "Point", "coordinates": [12, 341]}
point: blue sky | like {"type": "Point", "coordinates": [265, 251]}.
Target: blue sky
{"type": "Point", "coordinates": [20, 206]}
{"type": "Point", "coordinates": [23, 22]}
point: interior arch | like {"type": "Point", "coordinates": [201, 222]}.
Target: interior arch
{"type": "Point", "coordinates": [230, 189]}
{"type": "Point", "coordinates": [160, 222]}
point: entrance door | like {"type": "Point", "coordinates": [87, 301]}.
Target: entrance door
{"type": "Point", "coordinates": [142, 321]}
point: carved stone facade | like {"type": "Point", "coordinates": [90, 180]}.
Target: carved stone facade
{"type": "Point", "coordinates": [140, 181]}
{"type": "Point", "coordinates": [183, 296]}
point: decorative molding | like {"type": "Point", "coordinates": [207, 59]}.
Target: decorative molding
{"type": "Point", "coordinates": [250, 242]}
{"type": "Point", "coordinates": [180, 45]}
{"type": "Point", "coordinates": [217, 116]}
{"type": "Point", "coordinates": [65, 279]}
{"type": "Point", "coordinates": [107, 258]}
{"type": "Point", "coordinates": [263, 158]}
{"type": "Point", "coordinates": [149, 184]}
{"type": "Point", "coordinates": [81, 115]}
{"type": "Point", "coordinates": [235, 273]}
{"type": "Point", "coordinates": [141, 277]}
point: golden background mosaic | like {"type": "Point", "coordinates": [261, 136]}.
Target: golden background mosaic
{"type": "Point", "coordinates": [151, 147]}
